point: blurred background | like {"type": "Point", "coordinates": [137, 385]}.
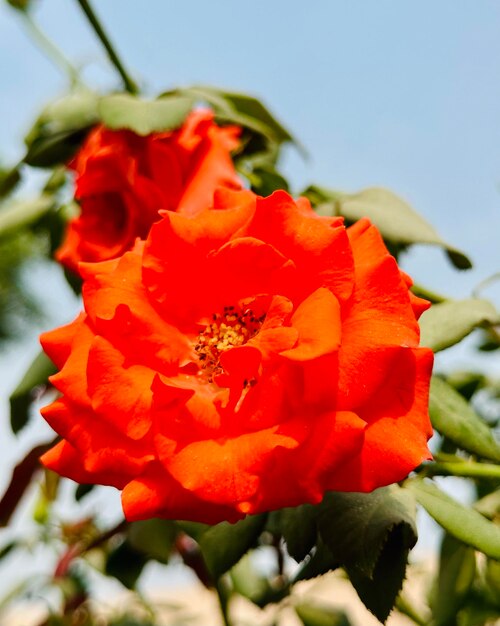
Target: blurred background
{"type": "Point", "coordinates": [400, 95]}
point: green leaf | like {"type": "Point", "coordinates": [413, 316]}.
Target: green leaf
{"type": "Point", "coordinates": [241, 109]}
{"type": "Point", "coordinates": [463, 523]}
{"type": "Point", "coordinates": [56, 148]}
{"type": "Point", "coordinates": [457, 568]}
{"type": "Point", "coordinates": [266, 180]}
{"type": "Point", "coordinates": [320, 562]}
{"type": "Point", "coordinates": [78, 109]}
{"type": "Point", "coordinates": [379, 591]}
{"type": "Point", "coordinates": [56, 180]}
{"type": "Point", "coordinates": [20, 5]}
{"type": "Point", "coordinates": [466, 383]}
{"type": "Point", "coordinates": [22, 213]}
{"type": "Point", "coordinates": [134, 620]}
{"type": "Point", "coordinates": [61, 128]}
{"type": "Point", "coordinates": [454, 417]}
{"type": "Point", "coordinates": [493, 578]}
{"type": "Point", "coordinates": [82, 490]}
{"type": "Point", "coordinates": [6, 549]}
{"type": "Point", "coordinates": [144, 117]}
{"type": "Point", "coordinates": [314, 615]}
{"type": "Point", "coordinates": [371, 534]}
{"type": "Point", "coordinates": [396, 220]}
{"type": "Point", "coordinates": [489, 505]}
{"type": "Point", "coordinates": [479, 612]}
{"type": "Point", "coordinates": [447, 323]}
{"type": "Point", "coordinates": [251, 584]}
{"type": "Point", "coordinates": [355, 526]}
{"type": "Point", "coordinates": [223, 545]}
{"type": "Point", "coordinates": [153, 538]}
{"type": "Point", "coordinates": [298, 526]}
{"type": "Point", "coordinates": [125, 564]}
{"type": "Point", "coordinates": [193, 529]}
{"type": "Point", "coordinates": [23, 395]}
{"type": "Point", "coordinates": [252, 107]}
{"type": "Point", "coordinates": [489, 340]}
{"type": "Point", "coordinates": [9, 179]}
{"type": "Point", "coordinates": [247, 581]}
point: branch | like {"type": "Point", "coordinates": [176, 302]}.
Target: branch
{"type": "Point", "coordinates": [129, 84]}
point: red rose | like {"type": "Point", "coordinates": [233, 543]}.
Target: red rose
{"type": "Point", "coordinates": [123, 180]}
{"type": "Point", "coordinates": [245, 359]}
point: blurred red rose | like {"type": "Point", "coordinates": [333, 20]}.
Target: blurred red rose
{"type": "Point", "coordinates": [241, 360]}
{"type": "Point", "coordinates": [123, 180]}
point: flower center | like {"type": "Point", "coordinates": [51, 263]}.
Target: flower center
{"type": "Point", "coordinates": [234, 327]}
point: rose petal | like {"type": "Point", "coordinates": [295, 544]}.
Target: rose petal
{"type": "Point", "coordinates": [64, 459]}
{"type": "Point", "coordinates": [319, 248]}
{"type": "Point", "coordinates": [102, 447]}
{"type": "Point", "coordinates": [398, 427]}
{"type": "Point", "coordinates": [317, 321]}
{"type": "Point", "coordinates": [157, 494]}
{"type": "Point", "coordinates": [119, 394]}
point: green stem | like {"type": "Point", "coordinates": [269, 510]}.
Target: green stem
{"type": "Point", "coordinates": [465, 470]}
{"type": "Point", "coordinates": [49, 48]}
{"type": "Point", "coordinates": [487, 282]}
{"type": "Point", "coordinates": [423, 292]}
{"type": "Point", "coordinates": [130, 85]}
{"type": "Point", "coordinates": [404, 606]}
{"type": "Point", "coordinates": [223, 595]}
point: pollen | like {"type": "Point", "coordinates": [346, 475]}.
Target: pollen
{"type": "Point", "coordinates": [229, 329]}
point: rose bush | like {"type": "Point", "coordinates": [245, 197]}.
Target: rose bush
{"type": "Point", "coordinates": [243, 359]}
{"type": "Point", "coordinates": [123, 180]}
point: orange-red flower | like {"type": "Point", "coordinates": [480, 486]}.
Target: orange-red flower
{"type": "Point", "coordinates": [245, 359]}
{"type": "Point", "coordinates": [123, 180]}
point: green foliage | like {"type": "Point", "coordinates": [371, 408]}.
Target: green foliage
{"type": "Point", "coordinates": [6, 549]}
{"type": "Point", "coordinates": [447, 323]}
{"type": "Point", "coordinates": [9, 179]}
{"type": "Point", "coordinates": [126, 564]}
{"type": "Point", "coordinates": [241, 109]}
{"type": "Point", "coordinates": [457, 569]}
{"type": "Point", "coordinates": [261, 590]}
{"type": "Point", "coordinates": [299, 529]}
{"type": "Point", "coordinates": [223, 545]}
{"type": "Point", "coordinates": [371, 536]}
{"type": "Point", "coordinates": [144, 116]}
{"type": "Point", "coordinates": [321, 561]}
{"type": "Point", "coordinates": [396, 220]}
{"type": "Point", "coordinates": [262, 137]}
{"type": "Point", "coordinates": [356, 526]}
{"type": "Point", "coordinates": [49, 490]}
{"type": "Point", "coordinates": [60, 129]}
{"type": "Point", "coordinates": [265, 179]}
{"type": "Point", "coordinates": [463, 523]}
{"type": "Point", "coordinates": [247, 581]}
{"type": "Point", "coordinates": [489, 505]}
{"type": "Point", "coordinates": [21, 214]}
{"type": "Point", "coordinates": [130, 620]}
{"type": "Point", "coordinates": [466, 382]}
{"type": "Point", "coordinates": [18, 306]}
{"type": "Point", "coordinates": [23, 395]}
{"type": "Point", "coordinates": [380, 590]}
{"type": "Point", "coordinates": [82, 490]}
{"type": "Point", "coordinates": [141, 542]}
{"type": "Point", "coordinates": [20, 5]}
{"type": "Point", "coordinates": [455, 418]}
{"type": "Point", "coordinates": [154, 538]}
{"type": "Point", "coordinates": [314, 615]}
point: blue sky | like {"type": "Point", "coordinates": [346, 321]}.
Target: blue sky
{"type": "Point", "coordinates": [404, 95]}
